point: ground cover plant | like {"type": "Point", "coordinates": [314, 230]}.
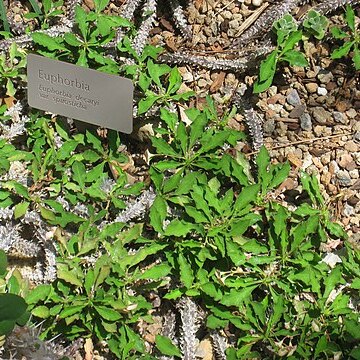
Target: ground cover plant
{"type": "Point", "coordinates": [202, 247]}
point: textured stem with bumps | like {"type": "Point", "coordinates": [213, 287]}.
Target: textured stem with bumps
{"type": "Point", "coordinates": [149, 13]}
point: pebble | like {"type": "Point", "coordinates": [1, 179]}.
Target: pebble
{"type": "Point", "coordinates": [325, 178]}
{"type": "Point", "coordinates": [357, 136]}
{"type": "Point", "coordinates": [354, 174]}
{"type": "Point", "coordinates": [311, 87]}
{"type": "Point", "coordinates": [234, 25]}
{"type": "Point", "coordinates": [227, 15]}
{"type": "Point", "coordinates": [339, 117]}
{"type": "Point", "coordinates": [312, 170]}
{"type": "Point", "coordinates": [333, 167]}
{"type": "Point", "coordinates": [272, 90]}
{"type": "Point", "coordinates": [305, 121]}
{"type": "Point", "coordinates": [277, 98]}
{"type": "Point", "coordinates": [351, 113]}
{"type": "Point", "coordinates": [269, 127]}
{"type": "Point", "coordinates": [282, 129]}
{"type": "Point", "coordinates": [320, 130]}
{"type": "Point", "coordinates": [357, 158]}
{"type": "Point", "coordinates": [321, 91]}
{"type": "Point", "coordinates": [215, 30]}
{"type": "Point", "coordinates": [348, 210]}
{"type": "Point", "coordinates": [297, 112]}
{"type": "Point", "coordinates": [257, 3]}
{"type": "Point", "coordinates": [332, 189]}
{"type": "Point", "coordinates": [293, 98]}
{"type": "Point", "coordinates": [343, 178]}
{"type": "Point", "coordinates": [307, 161]}
{"type": "Point", "coordinates": [321, 115]}
{"type": "Point", "coordinates": [351, 146]}
{"type": "Point", "coordinates": [202, 83]}
{"type": "Point", "coordinates": [342, 106]}
{"type": "Point", "coordinates": [347, 162]}
{"type": "Point", "coordinates": [325, 76]}
{"type": "Point", "coordinates": [326, 158]}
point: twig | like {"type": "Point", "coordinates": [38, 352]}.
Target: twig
{"type": "Point", "coordinates": [303, 142]}
{"type": "Point", "coordinates": [251, 19]}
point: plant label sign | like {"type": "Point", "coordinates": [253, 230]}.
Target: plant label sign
{"type": "Point", "coordinates": [80, 93]}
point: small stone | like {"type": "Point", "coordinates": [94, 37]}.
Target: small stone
{"type": "Point", "coordinates": [331, 86]}
{"type": "Point", "coordinates": [318, 163]}
{"type": "Point", "coordinates": [326, 158]}
{"type": "Point", "coordinates": [348, 210]}
{"type": "Point", "coordinates": [325, 178]}
{"type": "Point", "coordinates": [269, 127]}
{"type": "Point", "coordinates": [339, 117]}
{"type": "Point", "coordinates": [202, 83]}
{"type": "Point", "coordinates": [332, 189]}
{"type": "Point", "coordinates": [319, 130]}
{"type": "Point", "coordinates": [305, 121]}
{"type": "Point", "coordinates": [351, 113]}
{"type": "Point", "coordinates": [353, 200]}
{"type": "Point", "coordinates": [354, 173]}
{"type": "Point", "coordinates": [347, 162]}
{"type": "Point", "coordinates": [307, 161]}
{"type": "Point", "coordinates": [293, 98]}
{"type": "Point", "coordinates": [294, 159]}
{"type": "Point", "coordinates": [297, 111]}
{"type": "Point", "coordinates": [341, 106]}
{"type": "Point", "coordinates": [312, 73]}
{"type": "Point", "coordinates": [257, 3]}
{"type": "Point", "coordinates": [270, 114]}
{"type": "Point", "coordinates": [312, 170]}
{"type": "Point", "coordinates": [311, 87]}
{"type": "Point", "coordinates": [351, 146]}
{"type": "Point", "coordinates": [321, 91]}
{"type": "Point", "coordinates": [227, 14]}
{"type": "Point", "coordinates": [343, 178]}
{"type": "Point", "coordinates": [272, 90]}
{"type": "Point", "coordinates": [333, 167]}
{"type": "Point", "coordinates": [321, 99]}
{"type": "Point", "coordinates": [281, 129]}
{"type": "Point", "coordinates": [325, 76]}
{"type": "Point", "coordinates": [277, 98]}
{"type": "Point", "coordinates": [321, 115]}
{"type": "Point", "coordinates": [357, 136]}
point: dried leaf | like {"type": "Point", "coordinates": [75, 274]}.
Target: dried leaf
{"type": "Point", "coordinates": [217, 83]}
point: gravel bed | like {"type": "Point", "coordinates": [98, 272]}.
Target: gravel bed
{"type": "Point", "coordinates": [310, 115]}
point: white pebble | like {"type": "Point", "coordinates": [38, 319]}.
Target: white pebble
{"type": "Point", "coordinates": [321, 91]}
{"type": "Point", "coordinates": [257, 2]}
